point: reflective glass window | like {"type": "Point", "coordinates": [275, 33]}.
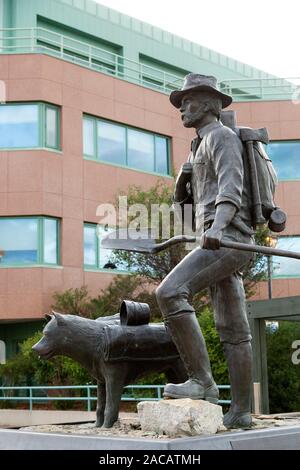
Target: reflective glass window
{"type": "Point", "coordinates": [140, 150]}
{"type": "Point", "coordinates": [19, 126]}
{"type": "Point", "coordinates": [29, 240]}
{"type": "Point", "coordinates": [51, 127]}
{"type": "Point", "coordinates": [161, 155]}
{"type": "Point", "coordinates": [287, 266]}
{"type": "Point", "coordinates": [285, 156]}
{"type": "Point", "coordinates": [90, 246]}
{"type": "Point", "coordinates": [18, 241]}
{"type": "Point", "coordinates": [88, 137]}
{"type": "Point", "coordinates": [111, 143]}
{"type": "Point", "coordinates": [122, 145]}
{"type": "Point", "coordinates": [50, 241]}
{"type": "Point", "coordinates": [29, 126]}
{"type": "Point", "coordinates": [96, 256]}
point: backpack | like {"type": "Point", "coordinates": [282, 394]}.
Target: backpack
{"type": "Point", "coordinates": [260, 174]}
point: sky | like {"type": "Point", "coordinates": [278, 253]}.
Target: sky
{"type": "Point", "coordinates": [261, 33]}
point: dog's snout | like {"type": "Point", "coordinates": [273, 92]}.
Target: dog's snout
{"type": "Point", "coordinates": [44, 348]}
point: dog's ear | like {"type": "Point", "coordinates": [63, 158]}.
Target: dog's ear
{"type": "Point", "coordinates": [48, 317]}
{"type": "Point", "coordinates": [59, 317]}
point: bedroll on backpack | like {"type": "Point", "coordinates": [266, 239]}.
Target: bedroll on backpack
{"type": "Point", "coordinates": [260, 174]}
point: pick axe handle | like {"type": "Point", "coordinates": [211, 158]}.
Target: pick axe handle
{"type": "Point", "coordinates": [258, 216]}
{"type": "Point", "coordinates": [151, 247]}
{"type": "Point", "coordinates": [265, 250]}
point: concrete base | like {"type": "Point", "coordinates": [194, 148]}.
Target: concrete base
{"type": "Point", "coordinates": [287, 438]}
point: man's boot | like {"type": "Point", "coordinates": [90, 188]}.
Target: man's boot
{"type": "Point", "coordinates": [188, 338]}
{"type": "Point", "coordinates": [239, 361]}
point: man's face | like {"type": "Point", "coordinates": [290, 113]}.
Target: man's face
{"type": "Point", "coordinates": [193, 109]}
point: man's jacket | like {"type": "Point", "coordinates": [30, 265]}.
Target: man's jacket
{"type": "Point", "coordinates": [218, 175]}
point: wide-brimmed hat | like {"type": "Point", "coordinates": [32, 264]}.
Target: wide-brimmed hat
{"type": "Point", "coordinates": [197, 82]}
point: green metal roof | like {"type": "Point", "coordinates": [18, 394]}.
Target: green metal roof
{"type": "Point", "coordinates": [135, 37]}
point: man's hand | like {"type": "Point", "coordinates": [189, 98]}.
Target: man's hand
{"type": "Point", "coordinates": [225, 212]}
{"type": "Point", "coordinates": [211, 239]}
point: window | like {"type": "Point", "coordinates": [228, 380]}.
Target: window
{"type": "Point", "coordinates": [51, 121]}
{"type": "Point", "coordinates": [50, 241]}
{"type": "Point", "coordinates": [161, 150]}
{"type": "Point", "coordinates": [119, 145]}
{"type": "Point", "coordinates": [111, 143]}
{"type": "Point", "coordinates": [29, 125]}
{"type": "Point", "coordinates": [96, 257]}
{"type": "Point", "coordinates": [285, 156]}
{"type": "Point", "coordinates": [19, 126]}
{"type": "Point", "coordinates": [287, 267]}
{"type": "Point", "coordinates": [140, 150]}
{"type": "Point", "coordinates": [29, 241]}
{"type": "Point", "coordinates": [88, 137]}
{"type": "Point", "coordinates": [90, 246]}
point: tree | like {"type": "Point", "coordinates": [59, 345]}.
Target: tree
{"type": "Point", "coordinates": [152, 267]}
{"type": "Point", "coordinates": [131, 287]}
{"type": "Point", "coordinates": [73, 301]}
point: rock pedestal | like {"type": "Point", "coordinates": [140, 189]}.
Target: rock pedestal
{"type": "Point", "coordinates": [180, 417]}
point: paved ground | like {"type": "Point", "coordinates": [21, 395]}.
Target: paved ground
{"type": "Point", "coordinates": [128, 426]}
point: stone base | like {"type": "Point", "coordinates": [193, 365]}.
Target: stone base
{"type": "Point", "coordinates": [181, 417]}
{"type": "Point", "coordinates": [287, 438]}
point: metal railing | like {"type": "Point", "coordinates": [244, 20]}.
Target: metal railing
{"type": "Point", "coordinates": [255, 89]}
{"type": "Point", "coordinates": [41, 40]}
{"type": "Point", "coordinates": [30, 397]}
{"type": "Point", "coordinates": [44, 41]}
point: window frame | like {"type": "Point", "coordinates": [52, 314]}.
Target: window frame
{"type": "Point", "coordinates": [94, 122]}
{"type": "Point", "coordinates": [42, 123]}
{"type": "Point", "coordinates": [40, 243]}
{"type": "Point", "coordinates": [96, 241]}
{"type": "Point", "coordinates": [97, 268]}
{"type": "Point", "coordinates": [278, 142]}
{"type": "Point", "coordinates": [57, 145]}
{"type": "Point", "coordinates": [284, 276]}
{"type": "Point", "coordinates": [154, 135]}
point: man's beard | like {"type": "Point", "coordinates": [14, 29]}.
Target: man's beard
{"type": "Point", "coordinates": [192, 120]}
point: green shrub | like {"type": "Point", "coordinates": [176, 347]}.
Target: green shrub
{"type": "Point", "coordinates": [283, 375]}
{"type": "Point", "coordinates": [27, 369]}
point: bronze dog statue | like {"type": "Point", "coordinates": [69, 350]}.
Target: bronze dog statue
{"type": "Point", "coordinates": [115, 354]}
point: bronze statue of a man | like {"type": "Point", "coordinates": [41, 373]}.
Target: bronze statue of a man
{"type": "Point", "coordinates": [222, 211]}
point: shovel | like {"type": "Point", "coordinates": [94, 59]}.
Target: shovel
{"type": "Point", "coordinates": [141, 242]}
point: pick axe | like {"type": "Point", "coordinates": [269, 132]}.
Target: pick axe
{"type": "Point", "coordinates": [141, 242]}
{"type": "Point", "coordinates": [249, 136]}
